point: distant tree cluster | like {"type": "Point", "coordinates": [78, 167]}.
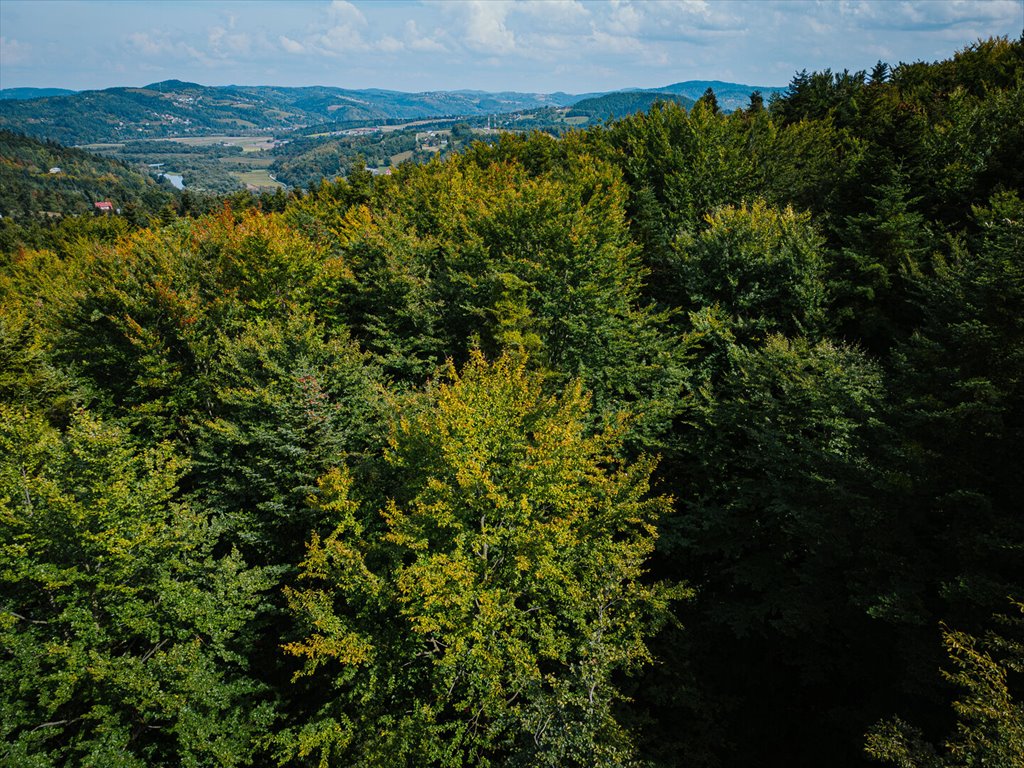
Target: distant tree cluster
{"type": "Point", "coordinates": [692, 439]}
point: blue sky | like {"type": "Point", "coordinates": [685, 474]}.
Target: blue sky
{"type": "Point", "coordinates": [524, 45]}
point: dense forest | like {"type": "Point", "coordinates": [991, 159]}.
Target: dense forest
{"type": "Point", "coordinates": [623, 104]}
{"type": "Point", "coordinates": [693, 439]}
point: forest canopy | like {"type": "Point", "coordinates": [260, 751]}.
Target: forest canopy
{"type": "Point", "coordinates": [689, 439]}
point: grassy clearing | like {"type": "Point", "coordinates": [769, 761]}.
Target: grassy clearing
{"type": "Point", "coordinates": [244, 163]}
{"type": "Point", "coordinates": [247, 143]}
{"type": "Point", "coordinates": [257, 178]}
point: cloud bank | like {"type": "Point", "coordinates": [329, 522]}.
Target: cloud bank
{"type": "Point", "coordinates": [531, 45]}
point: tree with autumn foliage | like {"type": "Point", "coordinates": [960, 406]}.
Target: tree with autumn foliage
{"type": "Point", "coordinates": [478, 618]}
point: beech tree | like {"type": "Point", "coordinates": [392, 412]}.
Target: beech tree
{"type": "Point", "coordinates": [761, 265]}
{"type": "Point", "coordinates": [478, 618]}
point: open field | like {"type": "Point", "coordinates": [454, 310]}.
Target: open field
{"type": "Point", "coordinates": [247, 143]}
{"type": "Point", "coordinates": [204, 160]}
{"type": "Point", "coordinates": [258, 178]}
{"type": "Point", "coordinates": [242, 162]}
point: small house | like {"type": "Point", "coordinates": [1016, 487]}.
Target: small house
{"type": "Point", "coordinates": [104, 207]}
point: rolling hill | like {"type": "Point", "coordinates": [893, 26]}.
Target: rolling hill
{"type": "Point", "coordinates": [33, 93]}
{"type": "Point", "coordinates": [624, 103]}
{"type": "Point", "coordinates": [731, 96]}
{"type": "Point", "coordinates": [176, 108]}
{"type": "Point", "coordinates": [43, 178]}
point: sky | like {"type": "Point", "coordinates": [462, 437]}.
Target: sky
{"type": "Point", "coordinates": [576, 46]}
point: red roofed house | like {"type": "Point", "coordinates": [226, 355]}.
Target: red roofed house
{"type": "Point", "coordinates": [104, 206]}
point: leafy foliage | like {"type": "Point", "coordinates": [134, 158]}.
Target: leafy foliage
{"type": "Point", "coordinates": [504, 586]}
{"type": "Point", "coordinates": [116, 621]}
{"type": "Point", "coordinates": [263, 498]}
{"type": "Point", "coordinates": [989, 719]}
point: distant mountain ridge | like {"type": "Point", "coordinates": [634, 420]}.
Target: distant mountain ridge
{"type": "Point", "coordinates": [730, 96]}
{"type": "Point", "coordinates": [33, 93]}
{"type": "Point", "coordinates": [622, 103]}
{"type": "Point", "coordinates": [177, 108]}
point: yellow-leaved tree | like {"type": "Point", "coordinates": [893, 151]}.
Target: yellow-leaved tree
{"type": "Point", "coordinates": [479, 616]}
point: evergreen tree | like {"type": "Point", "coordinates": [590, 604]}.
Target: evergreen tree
{"type": "Point", "coordinates": [117, 622]}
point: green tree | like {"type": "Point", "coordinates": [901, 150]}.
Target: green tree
{"type": "Point", "coordinates": [289, 400]}
{"type": "Point", "coordinates": [117, 626]}
{"type": "Point", "coordinates": [762, 266]}
{"type": "Point", "coordinates": [709, 100]}
{"type": "Point", "coordinates": [777, 529]}
{"type": "Point", "coordinates": [138, 320]}
{"type": "Point", "coordinates": [679, 167]}
{"type": "Point", "coordinates": [989, 717]}
{"type": "Point", "coordinates": [474, 252]}
{"type": "Point", "coordinates": [884, 248]}
{"type": "Point", "coordinates": [480, 618]}
{"type": "Point", "coordinates": [958, 389]}
{"type": "Point", "coordinates": [27, 376]}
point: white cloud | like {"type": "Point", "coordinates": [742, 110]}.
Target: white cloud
{"type": "Point", "coordinates": [416, 41]}
{"type": "Point", "coordinates": [145, 44]}
{"type": "Point", "coordinates": [552, 13]}
{"type": "Point", "coordinates": [342, 38]}
{"type": "Point", "coordinates": [345, 35]}
{"type": "Point", "coordinates": [389, 44]}
{"type": "Point", "coordinates": [485, 29]}
{"type": "Point", "coordinates": [158, 46]}
{"type": "Point", "coordinates": [225, 43]}
{"type": "Point", "coordinates": [342, 12]}
{"type": "Point", "coordinates": [610, 43]}
{"type": "Point", "coordinates": [291, 46]}
{"type": "Point", "coordinates": [918, 15]}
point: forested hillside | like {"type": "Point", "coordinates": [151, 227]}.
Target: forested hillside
{"type": "Point", "coordinates": [690, 440]}
{"type": "Point", "coordinates": [38, 178]}
{"type": "Point", "coordinates": [175, 108]}
{"type": "Point", "coordinates": [617, 105]}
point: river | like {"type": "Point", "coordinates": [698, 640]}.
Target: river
{"type": "Point", "coordinates": [176, 179]}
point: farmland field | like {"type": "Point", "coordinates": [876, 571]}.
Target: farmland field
{"type": "Point", "coordinates": [257, 178]}
{"type": "Point", "coordinates": [209, 163]}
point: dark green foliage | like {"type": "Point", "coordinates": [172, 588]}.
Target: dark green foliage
{"type": "Point", "coordinates": [117, 625]}
{"type": "Point", "coordinates": [289, 402]}
{"type": "Point", "coordinates": [618, 105]}
{"type": "Point", "coordinates": [761, 266]}
{"type": "Point", "coordinates": [678, 168]}
{"type": "Point", "coordinates": [778, 525]}
{"type": "Point", "coordinates": [478, 252]}
{"type": "Point", "coordinates": [960, 412]}
{"type": "Point", "coordinates": [237, 437]}
{"type": "Point", "coordinates": [884, 248]}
